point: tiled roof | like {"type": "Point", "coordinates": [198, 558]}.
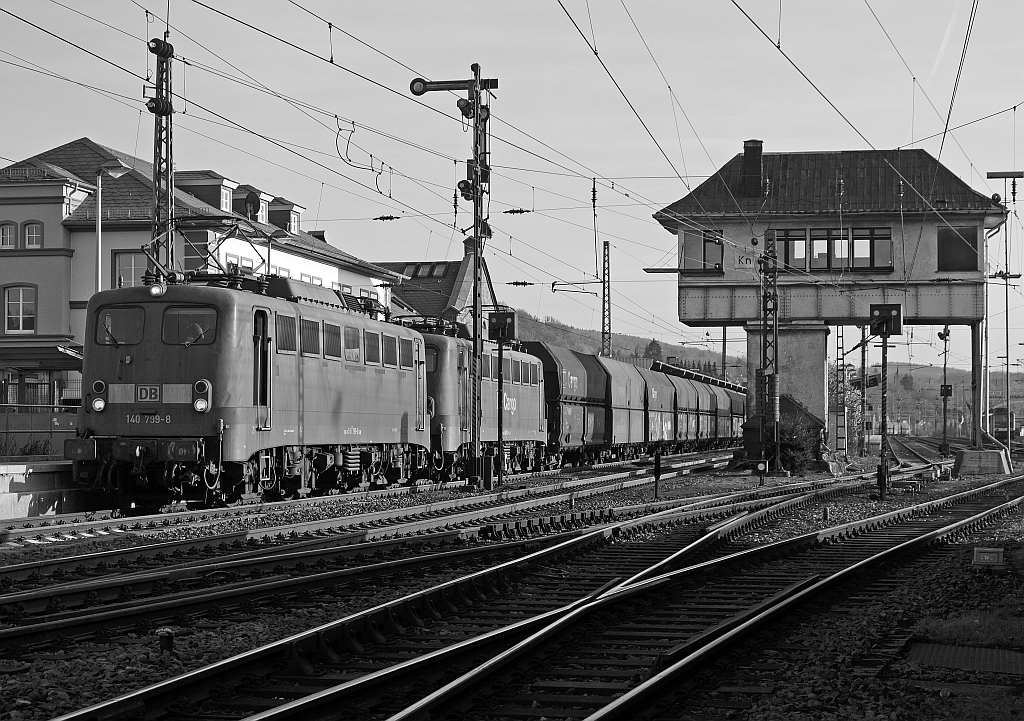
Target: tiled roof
{"type": "Point", "coordinates": [198, 175]}
{"type": "Point", "coordinates": [428, 295]}
{"type": "Point", "coordinates": [853, 181]}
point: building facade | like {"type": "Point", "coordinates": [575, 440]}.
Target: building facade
{"type": "Point", "coordinates": [52, 259]}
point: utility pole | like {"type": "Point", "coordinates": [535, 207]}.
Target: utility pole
{"type": "Point", "coordinates": [162, 231]}
{"type": "Point", "coordinates": [886, 320]}
{"type": "Point", "coordinates": [606, 303]}
{"type": "Point", "coordinates": [1006, 275]}
{"type": "Point", "coordinates": [473, 188]}
{"type": "Point", "coordinates": [863, 389]}
{"type": "Point", "coordinates": [946, 391]}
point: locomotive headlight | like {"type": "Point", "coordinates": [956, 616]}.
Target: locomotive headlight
{"type": "Point", "coordinates": [202, 405]}
{"type": "Point", "coordinates": [98, 404]}
{"type": "Point", "coordinates": [157, 289]}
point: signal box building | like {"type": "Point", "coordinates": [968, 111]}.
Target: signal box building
{"type": "Point", "coordinates": [853, 228]}
{"type": "Point", "coordinates": [50, 263]}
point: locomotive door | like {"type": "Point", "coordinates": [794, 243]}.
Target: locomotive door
{"type": "Point", "coordinates": [463, 390]}
{"type": "Point", "coordinates": [421, 420]}
{"type": "Point", "coordinates": [262, 391]}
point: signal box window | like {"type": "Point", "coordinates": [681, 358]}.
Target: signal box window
{"type": "Point", "coordinates": [309, 336]}
{"type": "Point", "coordinates": [189, 325]}
{"type": "Point", "coordinates": [371, 342]}
{"type": "Point", "coordinates": [872, 249]}
{"type": "Point", "coordinates": [829, 249]}
{"type": "Point", "coordinates": [405, 352]}
{"type": "Point", "coordinates": [20, 309]}
{"type": "Point", "coordinates": [794, 248]}
{"type": "Point", "coordinates": [286, 333]}
{"type": "Point", "coordinates": [390, 344]}
{"type": "Point", "coordinates": [120, 325]}
{"type": "Point", "coordinates": [352, 344]}
{"type": "Point", "coordinates": [332, 340]}
{"type": "Point", "coordinates": [702, 252]}
{"type": "Point", "coordinates": [958, 248]}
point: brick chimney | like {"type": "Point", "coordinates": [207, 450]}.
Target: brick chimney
{"type": "Point", "coordinates": [753, 173]}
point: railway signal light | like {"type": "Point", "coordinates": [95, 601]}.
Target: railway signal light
{"type": "Point", "coordinates": [467, 189]}
{"type": "Point", "coordinates": [161, 48]}
{"type": "Point", "coordinates": [160, 106]}
{"type": "Point", "coordinates": [886, 319]}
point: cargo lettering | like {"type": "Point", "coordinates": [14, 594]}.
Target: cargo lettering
{"type": "Point", "coordinates": [509, 404]}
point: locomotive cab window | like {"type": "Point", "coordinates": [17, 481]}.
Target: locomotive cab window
{"type": "Point", "coordinates": [485, 367]}
{"type": "Point", "coordinates": [120, 325]}
{"type": "Point", "coordinates": [351, 344]}
{"type": "Point", "coordinates": [371, 343]}
{"type": "Point", "coordinates": [189, 325]}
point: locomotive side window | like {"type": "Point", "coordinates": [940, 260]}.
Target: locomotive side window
{"type": "Point", "coordinates": [309, 336]}
{"type": "Point", "coordinates": [352, 344]}
{"type": "Point", "coordinates": [332, 340]}
{"type": "Point", "coordinates": [517, 375]}
{"type": "Point", "coordinates": [390, 350]}
{"type": "Point", "coordinates": [119, 326]}
{"type": "Point", "coordinates": [431, 359]}
{"type": "Point", "coordinates": [286, 333]}
{"type": "Point", "coordinates": [405, 352]}
{"type": "Point", "coordinates": [506, 369]}
{"type": "Point", "coordinates": [485, 367]}
{"type": "Point", "coordinates": [533, 374]}
{"type": "Point", "coordinates": [189, 325]}
{"type": "Point", "coordinates": [371, 341]}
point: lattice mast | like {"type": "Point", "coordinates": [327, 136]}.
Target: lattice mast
{"type": "Point", "coordinates": [162, 236]}
{"type": "Point", "coordinates": [606, 303]}
{"type": "Point", "coordinates": [769, 347]}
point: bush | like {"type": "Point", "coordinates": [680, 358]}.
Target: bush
{"type": "Point", "coordinates": [799, 444]}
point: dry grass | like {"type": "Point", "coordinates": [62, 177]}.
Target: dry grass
{"type": "Point", "coordinates": [1003, 627]}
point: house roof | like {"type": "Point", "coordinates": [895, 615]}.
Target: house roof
{"type": "Point", "coordinates": [849, 181]}
{"type": "Point", "coordinates": [130, 197]}
{"type": "Point", "coordinates": [434, 286]}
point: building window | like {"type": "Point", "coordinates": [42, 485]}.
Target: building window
{"type": "Point", "coordinates": [195, 256]}
{"type": "Point", "coordinates": [293, 222]}
{"type": "Point", "coordinates": [225, 199]}
{"type": "Point", "coordinates": [346, 289]}
{"type": "Point", "coordinates": [261, 216]}
{"type": "Point", "coordinates": [20, 309]}
{"type": "Point", "coordinates": [305, 278]}
{"type": "Point", "coordinates": [7, 237]}
{"type": "Point", "coordinates": [438, 270]}
{"type": "Point", "coordinates": [958, 248]}
{"type": "Point", "coordinates": [794, 248]}
{"type": "Point", "coordinates": [830, 249]}
{"type": "Point", "coordinates": [702, 251]}
{"type": "Point", "coordinates": [364, 293]}
{"type": "Point", "coordinates": [872, 249]}
{"type": "Point", "coordinates": [317, 281]}
{"type": "Point", "coordinates": [232, 262]}
{"type": "Point", "coordinates": [284, 272]}
{"type": "Point", "coordinates": [33, 235]}
{"type": "Point", "coordinates": [129, 268]}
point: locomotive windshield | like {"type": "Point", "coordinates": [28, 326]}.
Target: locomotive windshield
{"type": "Point", "coordinates": [189, 325]}
{"type": "Point", "coordinates": [120, 325]}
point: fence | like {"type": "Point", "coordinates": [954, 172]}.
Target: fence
{"type": "Point", "coordinates": [30, 429]}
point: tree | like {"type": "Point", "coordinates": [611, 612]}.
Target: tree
{"type": "Point", "coordinates": [851, 399]}
{"type": "Point", "coordinates": [653, 350]}
{"type": "Point", "coordinates": [907, 382]}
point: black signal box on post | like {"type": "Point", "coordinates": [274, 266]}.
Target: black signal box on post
{"type": "Point", "coordinates": [886, 319]}
{"type": "Point", "coordinates": [501, 326]}
{"type": "Point", "coordinates": [945, 390]}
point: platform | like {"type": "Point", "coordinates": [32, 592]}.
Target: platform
{"type": "Point", "coordinates": [40, 488]}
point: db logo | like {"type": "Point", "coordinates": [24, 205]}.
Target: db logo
{"type": "Point", "coordinates": [147, 394]}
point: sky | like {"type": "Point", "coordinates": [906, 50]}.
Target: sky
{"type": "Point", "coordinates": [645, 98]}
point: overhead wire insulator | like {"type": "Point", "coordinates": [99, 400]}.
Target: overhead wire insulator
{"type": "Point", "coordinates": [387, 217]}
{"type": "Point", "coordinates": [516, 211]}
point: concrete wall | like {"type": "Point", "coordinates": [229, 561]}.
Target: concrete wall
{"type": "Point", "coordinates": [802, 361]}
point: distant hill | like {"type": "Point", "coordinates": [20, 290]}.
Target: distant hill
{"type": "Point", "coordinates": [625, 347]}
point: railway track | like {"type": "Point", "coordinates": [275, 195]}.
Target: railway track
{"type": "Point", "coordinates": [587, 617]}
{"type": "Point", "coordinates": [581, 482]}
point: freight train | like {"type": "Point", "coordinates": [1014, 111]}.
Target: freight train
{"type": "Point", "coordinates": [272, 387]}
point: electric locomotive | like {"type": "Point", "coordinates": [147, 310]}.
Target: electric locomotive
{"type": "Point", "coordinates": [244, 389]}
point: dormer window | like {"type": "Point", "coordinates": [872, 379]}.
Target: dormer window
{"type": "Point", "coordinates": [225, 199]}
{"type": "Point", "coordinates": [293, 222]}
{"type": "Point", "coordinates": [262, 215]}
